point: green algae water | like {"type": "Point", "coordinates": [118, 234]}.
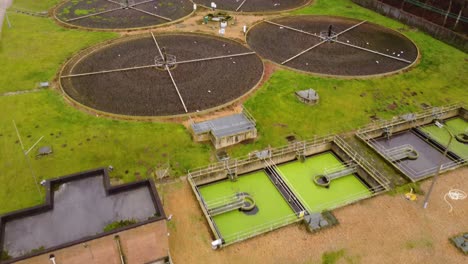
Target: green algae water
{"type": "Point", "coordinates": [271, 205]}
{"type": "Point", "coordinates": [316, 198]}
{"type": "Point", "coordinates": [456, 126]}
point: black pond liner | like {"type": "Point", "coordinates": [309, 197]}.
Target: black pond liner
{"type": "Point", "coordinates": [74, 214]}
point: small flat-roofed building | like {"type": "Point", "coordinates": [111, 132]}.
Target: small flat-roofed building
{"type": "Point", "coordinates": [225, 131]}
{"type": "Point", "coordinates": [86, 220]}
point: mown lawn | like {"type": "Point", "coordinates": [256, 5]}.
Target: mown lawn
{"type": "Point", "coordinates": [34, 5]}
{"type": "Point", "coordinates": [33, 50]}
{"type": "Point", "coordinates": [81, 142]}
{"type": "Point", "coordinates": [440, 78]}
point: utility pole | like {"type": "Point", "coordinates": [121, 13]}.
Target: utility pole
{"type": "Point", "coordinates": [426, 199]}
{"type": "Point", "coordinates": [7, 19]}
{"type": "Point", "coordinates": [26, 156]}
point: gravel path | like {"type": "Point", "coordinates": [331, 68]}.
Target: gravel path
{"type": "Point", "coordinates": [384, 229]}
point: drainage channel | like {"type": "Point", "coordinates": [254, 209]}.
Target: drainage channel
{"type": "Point", "coordinates": [285, 191]}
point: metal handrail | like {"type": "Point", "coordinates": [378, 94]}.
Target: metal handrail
{"type": "Point", "coordinates": [398, 120]}
{"type": "Point", "coordinates": [288, 184]}
{"type": "Point", "coordinates": [222, 200]}
{"type": "Point", "coordinates": [340, 167]}
{"type": "Point", "coordinates": [362, 162]}
{"type": "Point", "coordinates": [219, 166]}
{"type": "Point", "coordinates": [259, 229]}
{"type": "Point", "coordinates": [404, 168]}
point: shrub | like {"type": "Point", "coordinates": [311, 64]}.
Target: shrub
{"type": "Point", "coordinates": [37, 249]}
{"type": "Point", "coordinates": [118, 224]}
{"type": "Point", "coordinates": [5, 255]}
{"type": "Point", "coordinates": [331, 257]}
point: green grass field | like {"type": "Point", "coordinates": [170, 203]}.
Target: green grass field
{"type": "Point", "coordinates": [438, 79]}
{"type": "Point", "coordinates": [34, 49]}
{"type": "Point", "coordinates": [456, 126]}
{"type": "Point", "coordinates": [81, 142]}
{"type": "Point", "coordinates": [342, 190]}
{"type": "Point", "coordinates": [34, 5]}
{"type": "Point", "coordinates": [269, 201]}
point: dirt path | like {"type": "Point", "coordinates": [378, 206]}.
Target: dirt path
{"type": "Point", "coordinates": [383, 229]}
{"type": "Point", "coordinates": [194, 23]}
{"type": "Point", "coordinates": [21, 92]}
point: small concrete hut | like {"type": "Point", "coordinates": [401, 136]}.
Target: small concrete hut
{"type": "Point", "coordinates": [225, 131]}
{"type": "Point", "coordinates": [309, 96]}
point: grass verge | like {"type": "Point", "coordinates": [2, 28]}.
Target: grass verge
{"type": "Point", "coordinates": [34, 48]}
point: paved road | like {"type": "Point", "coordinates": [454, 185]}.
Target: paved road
{"type": "Point", "coordinates": [4, 4]}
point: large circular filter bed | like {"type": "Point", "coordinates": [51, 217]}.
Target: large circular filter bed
{"type": "Point", "coordinates": [332, 45]}
{"type": "Point", "coordinates": [161, 75]}
{"type": "Point", "coordinates": [256, 6]}
{"type": "Point", "coordinates": [122, 14]}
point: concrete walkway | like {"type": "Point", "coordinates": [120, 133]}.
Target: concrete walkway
{"type": "Point", "coordinates": [4, 4]}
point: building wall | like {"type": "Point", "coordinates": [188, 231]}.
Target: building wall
{"type": "Point", "coordinates": [225, 141]}
{"type": "Point", "coordinates": [233, 139]}
{"type": "Point", "coordinates": [253, 163]}
{"type": "Point", "coordinates": [360, 171]}
{"type": "Point", "coordinates": [201, 137]}
{"type": "Point", "coordinates": [142, 244]}
{"type": "Point", "coordinates": [405, 125]}
{"type": "Point", "coordinates": [464, 113]}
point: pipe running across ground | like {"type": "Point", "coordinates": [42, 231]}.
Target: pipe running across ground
{"type": "Point", "coordinates": [455, 195]}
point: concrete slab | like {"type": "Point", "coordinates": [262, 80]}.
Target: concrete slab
{"type": "Point", "coordinates": [427, 162]}
{"type": "Point", "coordinates": [224, 126]}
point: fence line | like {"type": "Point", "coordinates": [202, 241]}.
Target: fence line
{"type": "Point", "coordinates": [273, 152]}
{"type": "Point", "coordinates": [432, 112]}
{"type": "Point", "coordinates": [363, 163]}
{"type": "Point", "coordinates": [406, 170]}
{"type": "Point", "coordinates": [259, 229]}
{"type": "Point", "coordinates": [439, 32]}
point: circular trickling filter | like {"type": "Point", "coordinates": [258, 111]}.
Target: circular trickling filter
{"type": "Point", "coordinates": [161, 75]}
{"type": "Point", "coordinates": [253, 6]}
{"type": "Point", "coordinates": [121, 14]}
{"type": "Point", "coordinates": [333, 46]}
